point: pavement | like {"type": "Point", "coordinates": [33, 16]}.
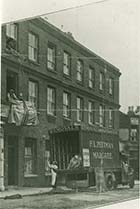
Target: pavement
{"type": "Point", "coordinates": [16, 193]}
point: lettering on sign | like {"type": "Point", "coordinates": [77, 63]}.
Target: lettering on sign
{"type": "Point", "coordinates": [102, 155]}
{"type": "Point", "coordinates": [100, 144]}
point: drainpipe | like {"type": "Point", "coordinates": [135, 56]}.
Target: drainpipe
{"type": "Point", "coordinates": [2, 188]}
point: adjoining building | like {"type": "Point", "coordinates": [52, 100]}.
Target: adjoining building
{"type": "Point", "coordinates": [129, 134]}
{"type": "Point", "coordinates": [69, 86]}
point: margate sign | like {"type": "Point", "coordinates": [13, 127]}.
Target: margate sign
{"type": "Point", "coordinates": [101, 149]}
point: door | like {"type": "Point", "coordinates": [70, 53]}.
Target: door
{"type": "Point", "coordinates": [12, 160]}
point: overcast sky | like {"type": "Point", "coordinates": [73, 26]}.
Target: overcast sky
{"type": "Point", "coordinates": [111, 29]}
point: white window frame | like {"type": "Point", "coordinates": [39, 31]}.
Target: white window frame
{"type": "Point", "coordinates": [66, 64]}
{"type": "Point", "coordinates": [80, 105]}
{"type": "Point", "coordinates": [33, 92]}
{"type": "Point", "coordinates": [101, 115]}
{"type": "Point", "coordinates": [80, 70]}
{"type": "Point", "coordinates": [111, 118]}
{"type": "Point", "coordinates": [101, 81]}
{"type": "Point", "coordinates": [51, 61]}
{"type": "Point", "coordinates": [66, 104]}
{"type": "Point", "coordinates": [33, 47]}
{"type": "Point", "coordinates": [111, 86]}
{"type": "Point", "coordinates": [11, 31]}
{"type": "Point", "coordinates": [91, 77]}
{"type": "Point", "coordinates": [51, 101]}
{"type": "Point", "coordinates": [91, 111]}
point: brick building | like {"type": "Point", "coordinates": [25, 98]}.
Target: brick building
{"type": "Point", "coordinates": [68, 84]}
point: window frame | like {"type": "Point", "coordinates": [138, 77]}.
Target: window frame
{"type": "Point", "coordinates": [32, 143]}
{"type": "Point", "coordinates": [80, 70]}
{"type": "Point", "coordinates": [13, 38]}
{"type": "Point", "coordinates": [92, 79]}
{"type": "Point", "coordinates": [110, 118]}
{"type": "Point", "coordinates": [66, 105]}
{"type": "Point", "coordinates": [52, 102]}
{"type": "Point", "coordinates": [79, 110]}
{"type": "Point", "coordinates": [111, 86]}
{"type": "Point", "coordinates": [91, 112]}
{"type": "Point", "coordinates": [35, 48]}
{"type": "Point", "coordinates": [101, 115]}
{"type": "Point", "coordinates": [36, 92]}
{"type": "Point", "coordinates": [101, 81]}
{"type": "Point", "coordinates": [53, 61]}
{"type": "Point", "coordinates": [67, 66]}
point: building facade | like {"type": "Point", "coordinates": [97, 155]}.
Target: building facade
{"type": "Point", "coordinates": [68, 85]}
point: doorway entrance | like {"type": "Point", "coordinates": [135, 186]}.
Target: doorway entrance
{"type": "Point", "coordinates": [12, 160]}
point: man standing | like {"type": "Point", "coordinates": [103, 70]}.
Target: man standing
{"type": "Point", "coordinates": [54, 168]}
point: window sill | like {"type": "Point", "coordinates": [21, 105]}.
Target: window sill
{"type": "Point", "coordinates": [67, 119]}
{"type": "Point", "coordinates": [67, 76]}
{"type": "Point", "coordinates": [33, 62]}
{"type": "Point", "coordinates": [30, 175]}
{"type": "Point", "coordinates": [52, 71]}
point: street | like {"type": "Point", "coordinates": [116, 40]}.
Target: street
{"type": "Point", "coordinates": [77, 200]}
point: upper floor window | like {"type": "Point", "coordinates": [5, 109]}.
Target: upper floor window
{"type": "Point", "coordinates": [133, 135]}
{"type": "Point", "coordinates": [80, 70]}
{"type": "Point", "coordinates": [101, 115]}
{"type": "Point", "coordinates": [111, 118]}
{"type": "Point", "coordinates": [33, 47]}
{"type": "Point", "coordinates": [111, 86]}
{"type": "Point", "coordinates": [91, 80]}
{"type": "Point", "coordinates": [80, 107]}
{"type": "Point", "coordinates": [66, 64]}
{"type": "Point", "coordinates": [11, 36]}
{"type": "Point", "coordinates": [51, 53]}
{"type": "Point", "coordinates": [91, 112]}
{"type": "Point", "coordinates": [101, 81]}
{"type": "Point", "coordinates": [11, 82]}
{"type": "Point", "coordinates": [33, 93]}
{"type": "Point", "coordinates": [66, 105]}
{"type": "Point", "coordinates": [51, 101]}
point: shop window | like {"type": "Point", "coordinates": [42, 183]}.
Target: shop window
{"type": "Point", "coordinates": [66, 64]}
{"type": "Point", "coordinates": [133, 135]}
{"type": "Point", "coordinates": [11, 82]}
{"type": "Point", "coordinates": [80, 107]}
{"type": "Point", "coordinates": [80, 70]}
{"type": "Point", "coordinates": [33, 47]}
{"type": "Point", "coordinates": [91, 80]}
{"type": "Point", "coordinates": [11, 36]}
{"type": "Point", "coordinates": [91, 113]}
{"type": "Point", "coordinates": [30, 156]}
{"type": "Point", "coordinates": [51, 101]}
{"type": "Point", "coordinates": [33, 93]}
{"type": "Point", "coordinates": [66, 105]}
{"type": "Point", "coordinates": [51, 54]}
{"type": "Point", "coordinates": [47, 156]}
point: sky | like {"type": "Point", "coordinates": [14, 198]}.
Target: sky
{"type": "Point", "coordinates": [110, 28]}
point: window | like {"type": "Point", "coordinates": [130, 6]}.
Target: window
{"type": "Point", "coordinates": [47, 156]}
{"type": "Point", "coordinates": [51, 101]}
{"type": "Point", "coordinates": [79, 109]}
{"type": "Point", "coordinates": [66, 65]}
{"type": "Point", "coordinates": [33, 47]}
{"type": "Point", "coordinates": [111, 86]}
{"type": "Point", "coordinates": [91, 112]}
{"type": "Point", "coordinates": [91, 77]}
{"type": "Point", "coordinates": [30, 156]}
{"type": "Point", "coordinates": [101, 81]}
{"type": "Point", "coordinates": [111, 118]}
{"type": "Point", "coordinates": [101, 115]}
{"type": "Point", "coordinates": [133, 135]}
{"type": "Point", "coordinates": [51, 53]}
{"type": "Point", "coordinates": [11, 36]}
{"type": "Point", "coordinates": [66, 105]}
{"type": "Point", "coordinates": [12, 82]}
{"type": "Point", "coordinates": [80, 70]}
{"type": "Point", "coordinates": [33, 93]}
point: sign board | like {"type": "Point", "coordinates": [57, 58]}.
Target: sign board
{"type": "Point", "coordinates": [86, 158]}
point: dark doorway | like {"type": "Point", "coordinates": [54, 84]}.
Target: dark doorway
{"type": "Point", "coordinates": [12, 160]}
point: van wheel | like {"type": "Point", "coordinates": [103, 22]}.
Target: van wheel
{"type": "Point", "coordinates": [109, 183]}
